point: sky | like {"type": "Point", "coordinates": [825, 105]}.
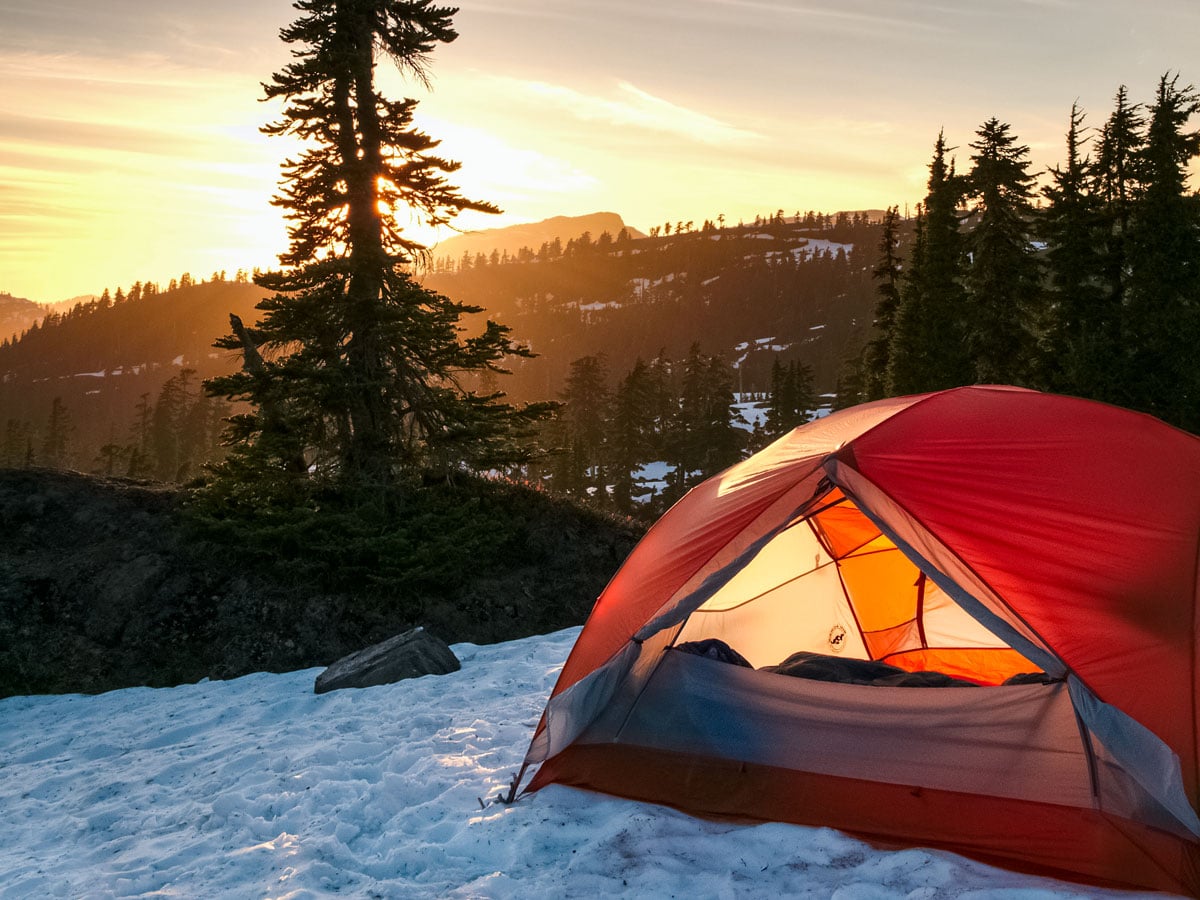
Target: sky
{"type": "Point", "coordinates": [257, 787]}
{"type": "Point", "coordinates": [130, 149]}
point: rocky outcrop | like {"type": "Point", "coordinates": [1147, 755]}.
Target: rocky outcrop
{"type": "Point", "coordinates": [103, 585]}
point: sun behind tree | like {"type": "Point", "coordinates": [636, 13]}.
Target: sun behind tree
{"type": "Point", "coordinates": [355, 371]}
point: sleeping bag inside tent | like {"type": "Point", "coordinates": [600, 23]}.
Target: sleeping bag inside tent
{"type": "Point", "coordinates": [963, 620]}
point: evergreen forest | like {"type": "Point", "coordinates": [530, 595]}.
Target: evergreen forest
{"type": "Point", "coordinates": [622, 368]}
{"type": "Point", "coordinates": [1082, 280]}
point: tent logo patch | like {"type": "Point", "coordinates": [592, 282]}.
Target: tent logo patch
{"type": "Point", "coordinates": [837, 638]}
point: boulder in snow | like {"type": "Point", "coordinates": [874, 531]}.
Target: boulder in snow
{"type": "Point", "coordinates": [406, 655]}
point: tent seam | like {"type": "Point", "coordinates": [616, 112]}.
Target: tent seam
{"type": "Point", "coordinates": [920, 401]}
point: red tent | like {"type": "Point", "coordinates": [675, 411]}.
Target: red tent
{"type": "Point", "coordinates": [1040, 552]}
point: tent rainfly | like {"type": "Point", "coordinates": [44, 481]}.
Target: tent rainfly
{"type": "Point", "coordinates": [1040, 552]}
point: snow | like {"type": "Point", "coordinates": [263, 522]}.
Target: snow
{"type": "Point", "coordinates": [819, 245]}
{"type": "Point", "coordinates": [750, 413]}
{"type": "Point", "coordinates": [257, 787]}
{"type": "Point", "coordinates": [641, 285]}
{"type": "Point", "coordinates": [650, 480]}
{"type": "Point", "coordinates": [746, 347]}
{"type": "Point", "coordinates": [758, 342]}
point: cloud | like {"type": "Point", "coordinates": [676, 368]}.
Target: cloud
{"type": "Point", "coordinates": [635, 108]}
{"type": "Point", "coordinates": [850, 18]}
{"type": "Point", "coordinates": [140, 69]}
{"type": "Point", "coordinates": [199, 34]}
{"type": "Point", "coordinates": [93, 136]}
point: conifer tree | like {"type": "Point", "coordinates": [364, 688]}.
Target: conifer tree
{"type": "Point", "coordinates": [723, 440]}
{"type": "Point", "coordinates": [702, 439]}
{"type": "Point", "coordinates": [927, 348]}
{"type": "Point", "coordinates": [848, 389]}
{"type": "Point", "coordinates": [634, 436]}
{"type": "Point", "coordinates": [109, 455]}
{"type": "Point", "coordinates": [1004, 278]}
{"type": "Point", "coordinates": [56, 442]}
{"type": "Point", "coordinates": [1082, 327]}
{"type": "Point", "coordinates": [354, 369]}
{"type": "Point", "coordinates": [583, 423]}
{"type": "Point", "coordinates": [792, 397]}
{"type": "Point", "coordinates": [1118, 165]}
{"type": "Point", "coordinates": [906, 348]}
{"type": "Point", "coordinates": [877, 354]}
{"type": "Point", "coordinates": [168, 442]}
{"type": "Point", "coordinates": [140, 433]}
{"type": "Point", "coordinates": [1163, 300]}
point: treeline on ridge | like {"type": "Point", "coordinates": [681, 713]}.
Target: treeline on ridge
{"type": "Point", "coordinates": [75, 390]}
{"type": "Point", "coordinates": [791, 282]}
{"type": "Point", "coordinates": [1087, 285]}
{"type": "Point", "coordinates": [113, 385]}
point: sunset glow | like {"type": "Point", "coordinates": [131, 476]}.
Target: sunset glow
{"type": "Point", "coordinates": [130, 150]}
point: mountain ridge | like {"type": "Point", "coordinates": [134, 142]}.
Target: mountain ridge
{"type": "Point", "coordinates": [777, 290]}
{"type": "Point", "coordinates": [17, 314]}
{"type": "Point", "coordinates": [511, 238]}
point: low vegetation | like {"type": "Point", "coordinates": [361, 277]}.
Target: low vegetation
{"type": "Point", "coordinates": [110, 582]}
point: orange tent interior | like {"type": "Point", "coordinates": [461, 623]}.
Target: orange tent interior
{"type": "Point", "coordinates": [833, 583]}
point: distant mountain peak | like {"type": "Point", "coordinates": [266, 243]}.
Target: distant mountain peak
{"type": "Point", "coordinates": [533, 234]}
{"type": "Point", "coordinates": [17, 314]}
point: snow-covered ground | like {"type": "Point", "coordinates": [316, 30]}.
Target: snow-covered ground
{"type": "Point", "coordinates": [258, 788]}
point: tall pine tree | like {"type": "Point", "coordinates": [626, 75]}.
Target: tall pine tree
{"type": "Point", "coordinates": [1118, 166]}
{"type": "Point", "coordinates": [633, 438]}
{"type": "Point", "coordinates": [792, 399]}
{"type": "Point", "coordinates": [57, 439]}
{"type": "Point", "coordinates": [1004, 279]}
{"type": "Point", "coordinates": [877, 354]}
{"type": "Point", "coordinates": [702, 440]}
{"type": "Point", "coordinates": [1081, 336]}
{"type": "Point", "coordinates": [1163, 300]}
{"type": "Point", "coordinates": [927, 351]}
{"type": "Point", "coordinates": [354, 369]}
{"type": "Point", "coordinates": [583, 423]}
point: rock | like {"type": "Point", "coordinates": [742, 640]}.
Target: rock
{"type": "Point", "coordinates": [408, 655]}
